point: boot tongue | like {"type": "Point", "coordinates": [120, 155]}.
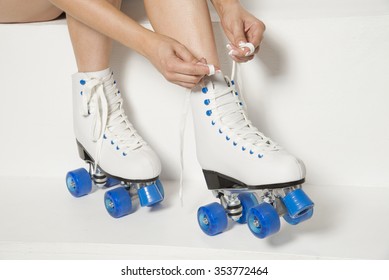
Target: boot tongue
{"type": "Point", "coordinates": [219, 83]}
{"type": "Point", "coordinates": [114, 103]}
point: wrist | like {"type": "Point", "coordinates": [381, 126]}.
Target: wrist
{"type": "Point", "coordinates": [145, 42]}
{"type": "Point", "coordinates": [222, 5]}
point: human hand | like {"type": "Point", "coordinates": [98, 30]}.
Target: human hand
{"type": "Point", "coordinates": [175, 62]}
{"type": "Point", "coordinates": [240, 27]}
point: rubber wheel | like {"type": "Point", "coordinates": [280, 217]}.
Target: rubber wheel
{"type": "Point", "coordinates": [150, 194]}
{"type": "Point", "coordinates": [263, 220]}
{"type": "Point", "coordinates": [297, 203]}
{"type": "Point", "coordinates": [294, 221]}
{"type": "Point", "coordinates": [212, 218]}
{"type": "Point", "coordinates": [118, 202]}
{"type": "Point", "coordinates": [79, 182]}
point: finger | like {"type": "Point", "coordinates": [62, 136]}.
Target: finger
{"type": "Point", "coordinates": [257, 49]}
{"type": "Point", "coordinates": [249, 46]}
{"type": "Point", "coordinates": [255, 33]}
{"type": "Point", "coordinates": [239, 33]}
{"type": "Point", "coordinates": [242, 59]}
{"type": "Point", "coordinates": [202, 60]}
{"type": "Point", "coordinates": [183, 78]}
{"type": "Point", "coordinates": [186, 85]}
{"type": "Point", "coordinates": [235, 51]}
{"type": "Point", "coordinates": [187, 68]}
{"type": "Point", "coordinates": [186, 81]}
{"type": "Point", "coordinates": [184, 54]}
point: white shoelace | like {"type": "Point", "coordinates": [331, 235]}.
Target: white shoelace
{"type": "Point", "coordinates": [228, 111]}
{"type": "Point", "coordinates": [103, 101]}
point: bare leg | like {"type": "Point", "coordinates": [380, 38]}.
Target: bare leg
{"type": "Point", "coordinates": [187, 21]}
{"type": "Point", "coordinates": [91, 48]}
{"type": "Point", "coordinates": [21, 11]}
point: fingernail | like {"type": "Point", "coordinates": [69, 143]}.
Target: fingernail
{"type": "Point", "coordinates": [233, 52]}
{"type": "Point", "coordinates": [212, 69]}
{"type": "Point", "coordinates": [228, 46]}
{"type": "Point", "coordinates": [241, 44]}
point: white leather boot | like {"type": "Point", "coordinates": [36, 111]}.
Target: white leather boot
{"type": "Point", "coordinates": [116, 153]}
{"type": "Point", "coordinates": [103, 132]}
{"type": "Point", "coordinates": [230, 150]}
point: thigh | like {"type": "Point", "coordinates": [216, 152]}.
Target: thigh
{"type": "Point", "coordinates": [27, 11]}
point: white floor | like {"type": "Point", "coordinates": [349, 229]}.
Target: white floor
{"type": "Point", "coordinates": [41, 220]}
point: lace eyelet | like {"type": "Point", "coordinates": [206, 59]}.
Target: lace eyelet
{"type": "Point", "coordinates": [104, 136]}
{"type": "Point", "coordinates": [243, 148]}
{"type": "Point", "coordinates": [251, 152]}
{"type": "Point", "coordinates": [260, 156]}
{"type": "Point", "coordinates": [207, 102]}
{"type": "Point", "coordinates": [228, 138]}
{"type": "Point", "coordinates": [209, 112]}
{"type": "Point", "coordinates": [235, 143]}
{"type": "Point", "coordinates": [213, 122]}
{"type": "Point", "coordinates": [124, 154]}
{"type": "Point", "coordinates": [220, 131]}
{"type": "Point", "coordinates": [204, 90]}
{"type": "Point", "coordinates": [82, 82]}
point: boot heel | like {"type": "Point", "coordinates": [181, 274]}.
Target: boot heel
{"type": "Point", "coordinates": [217, 181]}
{"type": "Point", "coordinates": [81, 152]}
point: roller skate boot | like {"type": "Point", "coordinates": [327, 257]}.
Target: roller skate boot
{"type": "Point", "coordinates": [116, 154]}
{"type": "Point", "coordinates": [255, 179]}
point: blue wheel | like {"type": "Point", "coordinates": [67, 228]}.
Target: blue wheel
{"type": "Point", "coordinates": [297, 203]}
{"type": "Point", "coordinates": [263, 220]}
{"type": "Point", "coordinates": [294, 221]}
{"type": "Point", "coordinates": [160, 188]}
{"type": "Point", "coordinates": [248, 200]}
{"type": "Point", "coordinates": [79, 182]}
{"type": "Point", "coordinates": [150, 194]}
{"type": "Point", "coordinates": [118, 202]}
{"type": "Point", "coordinates": [212, 218]}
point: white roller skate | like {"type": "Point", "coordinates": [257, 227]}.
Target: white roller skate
{"type": "Point", "coordinates": [255, 179]}
{"type": "Point", "coordinates": [108, 142]}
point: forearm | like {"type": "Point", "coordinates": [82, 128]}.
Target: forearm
{"type": "Point", "coordinates": [108, 20]}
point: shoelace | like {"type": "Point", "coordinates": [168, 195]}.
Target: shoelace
{"type": "Point", "coordinates": [103, 101]}
{"type": "Point", "coordinates": [228, 110]}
